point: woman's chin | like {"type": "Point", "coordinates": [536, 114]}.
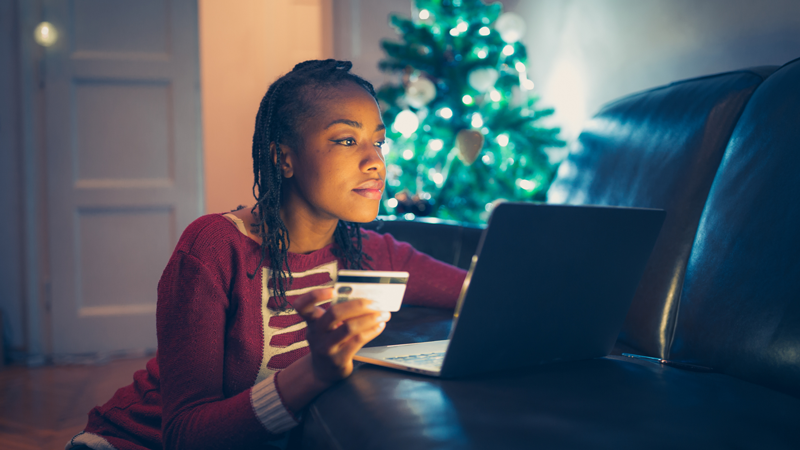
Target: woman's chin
{"type": "Point", "coordinates": [363, 216]}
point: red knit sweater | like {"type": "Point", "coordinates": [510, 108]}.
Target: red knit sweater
{"type": "Point", "coordinates": [213, 383]}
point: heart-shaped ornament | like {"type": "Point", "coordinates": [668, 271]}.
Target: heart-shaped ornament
{"type": "Point", "coordinates": [469, 143]}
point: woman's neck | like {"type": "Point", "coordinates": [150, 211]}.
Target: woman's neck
{"type": "Point", "coordinates": [306, 232]}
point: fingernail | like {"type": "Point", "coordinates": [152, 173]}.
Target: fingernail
{"type": "Point", "coordinates": [384, 316]}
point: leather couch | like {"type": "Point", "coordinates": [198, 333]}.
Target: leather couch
{"type": "Point", "coordinates": [721, 291]}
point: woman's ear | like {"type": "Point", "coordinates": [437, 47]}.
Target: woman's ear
{"type": "Point", "coordinates": [287, 158]}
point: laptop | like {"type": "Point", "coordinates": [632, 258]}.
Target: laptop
{"type": "Point", "coordinates": [547, 283]}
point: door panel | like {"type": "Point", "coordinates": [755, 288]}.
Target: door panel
{"type": "Point", "coordinates": [124, 163]}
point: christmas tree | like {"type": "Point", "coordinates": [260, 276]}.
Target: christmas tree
{"type": "Point", "coordinates": [463, 130]}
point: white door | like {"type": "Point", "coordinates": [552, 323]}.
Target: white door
{"type": "Point", "coordinates": [124, 163]}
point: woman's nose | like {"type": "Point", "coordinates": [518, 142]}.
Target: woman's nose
{"type": "Point", "coordinates": [373, 159]}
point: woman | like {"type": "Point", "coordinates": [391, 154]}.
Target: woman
{"type": "Point", "coordinates": [243, 348]}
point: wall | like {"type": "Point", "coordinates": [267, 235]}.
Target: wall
{"type": "Point", "coordinates": [244, 46]}
{"type": "Point", "coordinates": [11, 277]}
{"type": "Point", "coordinates": [583, 53]}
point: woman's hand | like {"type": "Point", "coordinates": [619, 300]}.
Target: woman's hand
{"type": "Point", "coordinates": [335, 335]}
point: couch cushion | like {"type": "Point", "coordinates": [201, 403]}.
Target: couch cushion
{"type": "Point", "coordinates": [740, 307]}
{"type": "Point", "coordinates": [605, 403]}
{"type": "Point", "coordinates": [658, 149]}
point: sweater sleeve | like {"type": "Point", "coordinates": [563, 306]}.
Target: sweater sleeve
{"type": "Point", "coordinates": [431, 282]}
{"type": "Point", "coordinates": [191, 321]}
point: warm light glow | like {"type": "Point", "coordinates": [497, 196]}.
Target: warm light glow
{"type": "Point", "coordinates": [386, 147]}
{"type": "Point", "coordinates": [502, 140]}
{"type": "Point", "coordinates": [454, 32]}
{"type": "Point", "coordinates": [391, 203]}
{"type": "Point", "coordinates": [527, 185]}
{"type": "Point", "coordinates": [482, 54]}
{"type": "Point", "coordinates": [406, 123]}
{"type": "Point", "coordinates": [508, 50]}
{"type": "Point", "coordinates": [527, 84]}
{"type": "Point", "coordinates": [438, 178]}
{"type": "Point", "coordinates": [495, 95]}
{"type": "Point", "coordinates": [467, 99]}
{"type": "Point", "coordinates": [408, 154]}
{"type": "Point", "coordinates": [423, 14]}
{"type": "Point", "coordinates": [45, 34]}
{"type": "Point", "coordinates": [484, 31]}
{"type": "Point", "coordinates": [477, 120]}
{"type": "Point", "coordinates": [446, 113]}
{"type": "Point", "coordinates": [462, 26]}
{"type": "Point", "coordinates": [519, 66]}
{"type": "Point", "coordinates": [436, 144]}
{"type": "Point", "coordinates": [409, 216]}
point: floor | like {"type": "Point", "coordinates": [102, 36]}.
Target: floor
{"type": "Point", "coordinates": [42, 408]}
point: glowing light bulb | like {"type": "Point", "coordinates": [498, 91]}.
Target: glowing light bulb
{"type": "Point", "coordinates": [462, 26]}
{"type": "Point", "coordinates": [508, 50]}
{"type": "Point", "coordinates": [495, 95]}
{"type": "Point", "coordinates": [527, 185]}
{"type": "Point", "coordinates": [477, 120]}
{"type": "Point", "coordinates": [408, 154]}
{"type": "Point", "coordinates": [519, 66]}
{"type": "Point", "coordinates": [436, 144]}
{"type": "Point", "coordinates": [406, 123]}
{"type": "Point", "coordinates": [482, 54]}
{"type": "Point", "coordinates": [391, 203]}
{"type": "Point", "coordinates": [527, 84]}
{"type": "Point", "coordinates": [484, 31]}
{"type": "Point", "coordinates": [502, 140]}
{"type": "Point", "coordinates": [45, 34]}
{"type": "Point", "coordinates": [467, 99]}
{"type": "Point", "coordinates": [423, 15]}
{"type": "Point", "coordinates": [446, 113]}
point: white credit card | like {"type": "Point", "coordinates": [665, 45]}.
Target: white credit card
{"type": "Point", "coordinates": [386, 289]}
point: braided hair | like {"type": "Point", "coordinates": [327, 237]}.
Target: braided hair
{"type": "Point", "coordinates": [290, 101]}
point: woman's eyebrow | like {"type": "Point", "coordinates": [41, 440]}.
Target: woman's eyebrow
{"type": "Point", "coordinates": [352, 123]}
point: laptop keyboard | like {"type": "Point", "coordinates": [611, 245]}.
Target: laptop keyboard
{"type": "Point", "coordinates": [434, 360]}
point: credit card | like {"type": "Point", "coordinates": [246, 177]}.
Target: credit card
{"type": "Point", "coordinates": [386, 289]}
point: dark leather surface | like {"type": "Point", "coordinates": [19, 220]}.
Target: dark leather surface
{"type": "Point", "coordinates": [740, 309]}
{"type": "Point", "coordinates": [606, 403]}
{"type": "Point", "coordinates": [451, 242]}
{"type": "Point", "coordinates": [658, 149]}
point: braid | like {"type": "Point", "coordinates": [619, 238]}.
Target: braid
{"type": "Point", "coordinates": [348, 237]}
{"type": "Point", "coordinates": [288, 101]}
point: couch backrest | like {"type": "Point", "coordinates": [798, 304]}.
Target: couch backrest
{"type": "Point", "coordinates": [451, 242]}
{"type": "Point", "coordinates": [740, 307]}
{"type": "Point", "coordinates": [658, 149]}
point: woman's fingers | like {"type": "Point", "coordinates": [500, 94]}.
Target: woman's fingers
{"type": "Point", "coordinates": [306, 305]}
{"type": "Point", "coordinates": [349, 347]}
{"type": "Point", "coordinates": [341, 312]}
{"type": "Point", "coordinates": [356, 328]}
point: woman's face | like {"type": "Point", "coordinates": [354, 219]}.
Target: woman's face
{"type": "Point", "coordinates": [339, 172]}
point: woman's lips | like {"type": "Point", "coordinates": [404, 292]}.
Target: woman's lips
{"type": "Point", "coordinates": [373, 194]}
{"type": "Point", "coordinates": [371, 189]}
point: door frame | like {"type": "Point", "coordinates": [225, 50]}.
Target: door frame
{"type": "Point", "coordinates": [37, 348]}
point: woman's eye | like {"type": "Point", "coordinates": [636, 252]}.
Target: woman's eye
{"type": "Point", "coordinates": [346, 142]}
{"type": "Point", "coordinates": [379, 144]}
